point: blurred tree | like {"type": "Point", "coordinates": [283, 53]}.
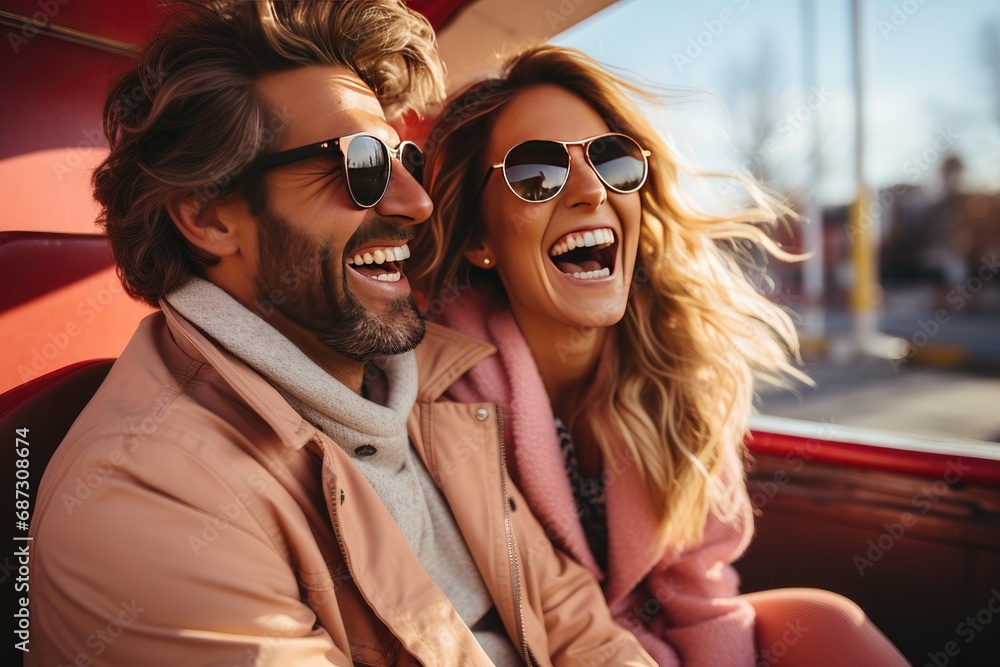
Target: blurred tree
{"type": "Point", "coordinates": [754, 90]}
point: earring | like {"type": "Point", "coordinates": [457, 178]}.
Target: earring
{"type": "Point", "coordinates": [486, 261]}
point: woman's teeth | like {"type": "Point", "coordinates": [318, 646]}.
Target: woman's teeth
{"type": "Point", "coordinates": [599, 238]}
{"type": "Point", "coordinates": [590, 275]}
{"type": "Point", "coordinates": [585, 255]}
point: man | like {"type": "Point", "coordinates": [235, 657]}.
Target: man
{"type": "Point", "coordinates": [261, 480]}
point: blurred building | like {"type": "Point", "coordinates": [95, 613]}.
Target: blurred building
{"type": "Point", "coordinates": [930, 241]}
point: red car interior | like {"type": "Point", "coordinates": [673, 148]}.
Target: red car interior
{"type": "Point", "coordinates": [910, 531]}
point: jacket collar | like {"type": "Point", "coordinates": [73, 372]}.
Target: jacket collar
{"type": "Point", "coordinates": [288, 425]}
{"type": "Point", "coordinates": [444, 356]}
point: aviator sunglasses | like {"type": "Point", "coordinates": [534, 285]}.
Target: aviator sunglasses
{"type": "Point", "coordinates": [367, 163]}
{"type": "Point", "coordinates": [537, 170]}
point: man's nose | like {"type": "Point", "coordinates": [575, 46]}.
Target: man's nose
{"type": "Point", "coordinates": [405, 200]}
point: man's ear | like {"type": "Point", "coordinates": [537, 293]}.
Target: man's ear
{"type": "Point", "coordinates": [200, 223]}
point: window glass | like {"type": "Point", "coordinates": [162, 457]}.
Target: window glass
{"type": "Point", "coordinates": [768, 88]}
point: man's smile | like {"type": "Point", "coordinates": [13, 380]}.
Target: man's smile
{"type": "Point", "coordinates": [380, 262]}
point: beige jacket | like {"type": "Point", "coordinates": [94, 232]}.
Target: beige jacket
{"type": "Point", "coordinates": [192, 517]}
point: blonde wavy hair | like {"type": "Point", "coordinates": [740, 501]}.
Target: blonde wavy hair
{"type": "Point", "coordinates": [696, 330]}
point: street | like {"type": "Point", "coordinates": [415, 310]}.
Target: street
{"type": "Point", "coordinates": [949, 387]}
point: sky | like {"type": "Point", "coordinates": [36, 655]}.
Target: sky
{"type": "Point", "coordinates": [926, 87]}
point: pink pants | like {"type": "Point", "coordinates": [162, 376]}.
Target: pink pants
{"type": "Point", "coordinates": [816, 628]}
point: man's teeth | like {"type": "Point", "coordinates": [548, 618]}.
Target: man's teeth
{"type": "Point", "coordinates": [588, 275]}
{"type": "Point", "coordinates": [381, 256]}
{"type": "Point", "coordinates": [387, 277]}
{"type": "Point", "coordinates": [599, 237]}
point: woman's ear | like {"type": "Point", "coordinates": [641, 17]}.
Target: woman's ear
{"type": "Point", "coordinates": [201, 224]}
{"type": "Point", "coordinates": [479, 254]}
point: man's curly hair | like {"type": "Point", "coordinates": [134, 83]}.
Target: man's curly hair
{"type": "Point", "coordinates": [186, 121]}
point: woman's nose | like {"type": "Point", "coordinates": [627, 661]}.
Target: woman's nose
{"type": "Point", "coordinates": [583, 186]}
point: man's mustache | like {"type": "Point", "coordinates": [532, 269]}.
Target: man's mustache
{"type": "Point", "coordinates": [378, 229]}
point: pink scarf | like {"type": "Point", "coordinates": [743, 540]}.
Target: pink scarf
{"type": "Point", "coordinates": [536, 461]}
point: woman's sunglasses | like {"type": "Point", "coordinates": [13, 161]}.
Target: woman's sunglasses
{"type": "Point", "coordinates": [367, 163]}
{"type": "Point", "coordinates": [537, 170]}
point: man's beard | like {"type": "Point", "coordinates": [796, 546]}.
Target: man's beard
{"type": "Point", "coordinates": [295, 277]}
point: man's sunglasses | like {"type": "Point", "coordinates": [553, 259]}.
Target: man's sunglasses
{"type": "Point", "coordinates": [537, 170]}
{"type": "Point", "coordinates": [367, 163]}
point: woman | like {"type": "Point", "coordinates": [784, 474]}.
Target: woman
{"type": "Point", "coordinates": [628, 336]}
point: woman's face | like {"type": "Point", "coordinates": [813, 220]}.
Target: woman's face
{"type": "Point", "coordinates": [529, 243]}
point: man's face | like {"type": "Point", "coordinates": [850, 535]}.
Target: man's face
{"type": "Point", "coordinates": [311, 231]}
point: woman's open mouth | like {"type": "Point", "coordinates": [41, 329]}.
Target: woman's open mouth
{"type": "Point", "coordinates": [588, 255]}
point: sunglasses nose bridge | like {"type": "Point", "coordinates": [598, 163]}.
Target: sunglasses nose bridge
{"type": "Point", "coordinates": [577, 152]}
{"type": "Point", "coordinates": [410, 158]}
{"type": "Point", "coordinates": [579, 157]}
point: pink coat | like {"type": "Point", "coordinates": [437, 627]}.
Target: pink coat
{"type": "Point", "coordinates": [682, 606]}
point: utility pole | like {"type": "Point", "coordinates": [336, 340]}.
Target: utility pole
{"type": "Point", "coordinates": [813, 314]}
{"type": "Point", "coordinates": [866, 293]}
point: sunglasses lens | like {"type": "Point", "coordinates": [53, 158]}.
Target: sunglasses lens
{"type": "Point", "coordinates": [619, 162]}
{"type": "Point", "coordinates": [413, 160]}
{"type": "Point", "coordinates": [367, 170]}
{"type": "Point", "coordinates": [536, 170]}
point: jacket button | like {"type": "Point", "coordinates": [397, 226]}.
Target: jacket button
{"type": "Point", "coordinates": [482, 414]}
{"type": "Point", "coordinates": [366, 451]}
